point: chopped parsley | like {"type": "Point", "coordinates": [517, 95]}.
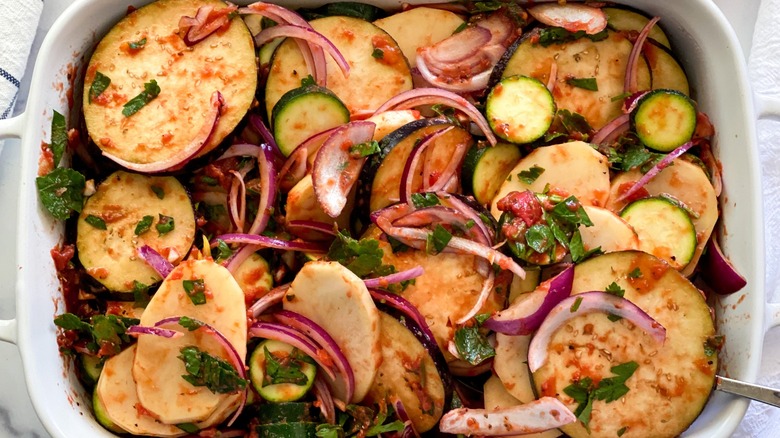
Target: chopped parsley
{"type": "Point", "coordinates": [426, 199]}
{"type": "Point", "coordinates": [363, 257]}
{"type": "Point", "coordinates": [214, 373]}
{"type": "Point", "coordinates": [362, 150]}
{"type": "Point", "coordinates": [609, 389]}
{"type": "Point", "coordinates": [472, 345]}
{"type": "Point", "coordinates": [159, 192]}
{"type": "Point", "coordinates": [438, 239]}
{"type": "Point", "coordinates": [286, 370]}
{"type": "Point", "coordinates": [151, 91]}
{"type": "Point", "coordinates": [104, 334]}
{"type": "Point", "coordinates": [140, 294]}
{"type": "Point", "coordinates": [530, 175]}
{"type": "Point", "coordinates": [589, 84]}
{"type": "Point", "coordinates": [95, 221]}
{"type": "Point", "coordinates": [635, 273]}
{"type": "Point", "coordinates": [191, 324]}
{"type": "Point", "coordinates": [195, 290]}
{"type": "Point", "coordinates": [59, 137]}
{"type": "Point", "coordinates": [188, 427]}
{"type": "Point", "coordinates": [99, 85]}
{"type": "Point", "coordinates": [576, 305]}
{"type": "Point", "coordinates": [61, 192]}
{"type": "Point", "coordinates": [165, 225]}
{"type": "Point", "coordinates": [378, 54]}
{"type": "Point", "coordinates": [713, 344]}
{"type": "Point", "coordinates": [615, 289]}
{"type": "Point", "coordinates": [137, 45]}
{"type": "Point", "coordinates": [558, 35]}
{"type": "Point", "coordinates": [223, 251]}
{"type": "Point", "coordinates": [143, 225]}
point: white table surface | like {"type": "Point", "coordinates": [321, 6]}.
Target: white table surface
{"type": "Point", "coordinates": [17, 416]}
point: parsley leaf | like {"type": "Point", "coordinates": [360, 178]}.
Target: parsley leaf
{"type": "Point", "coordinates": [426, 199]}
{"type": "Point", "coordinates": [472, 345]}
{"type": "Point", "coordinates": [59, 137]}
{"type": "Point", "coordinates": [530, 175]}
{"type": "Point", "coordinates": [106, 334]}
{"type": "Point", "coordinates": [362, 257]}
{"type": "Point", "coordinates": [326, 430]}
{"type": "Point", "coordinates": [540, 237]}
{"type": "Point", "coordinates": [151, 91]}
{"type": "Point", "coordinates": [137, 45]}
{"type": "Point", "coordinates": [140, 294]}
{"type": "Point", "coordinates": [362, 150]}
{"type": "Point", "coordinates": [195, 290]}
{"type": "Point", "coordinates": [635, 273]}
{"type": "Point", "coordinates": [99, 85]}
{"type": "Point", "coordinates": [95, 221]}
{"type": "Point", "coordinates": [224, 251]}
{"type": "Point", "coordinates": [191, 324]}
{"type": "Point", "coordinates": [584, 83]}
{"type": "Point", "coordinates": [188, 427]}
{"type": "Point", "coordinates": [609, 389]}
{"type": "Point", "coordinates": [570, 210]}
{"type": "Point", "coordinates": [61, 192]}
{"type": "Point", "coordinates": [379, 427]}
{"type": "Point", "coordinates": [143, 225]}
{"type": "Point", "coordinates": [615, 289]}
{"type": "Point", "coordinates": [308, 81]}
{"type": "Point", "coordinates": [378, 54]}
{"type": "Point", "coordinates": [159, 192]}
{"type": "Point", "coordinates": [556, 35]}
{"type": "Point", "coordinates": [576, 305]}
{"type": "Point", "coordinates": [216, 374]}
{"type": "Point", "coordinates": [438, 239]}
{"type": "Point", "coordinates": [287, 370]}
{"type": "Point", "coordinates": [165, 225]}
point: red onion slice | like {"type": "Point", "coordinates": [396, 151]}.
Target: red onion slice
{"type": "Point", "coordinates": [265, 164]}
{"type": "Point", "coordinates": [272, 298]}
{"type": "Point", "coordinates": [583, 304]}
{"type": "Point", "coordinates": [553, 76]}
{"type": "Point", "coordinates": [278, 332]}
{"type": "Point", "coordinates": [237, 201]}
{"type": "Point", "coordinates": [450, 172]}
{"type": "Point", "coordinates": [269, 242]}
{"type": "Point", "coordinates": [240, 150]}
{"type": "Point", "coordinates": [410, 167]}
{"type": "Point", "coordinates": [335, 169]}
{"type": "Point", "coordinates": [430, 96]}
{"type": "Point", "coordinates": [321, 227]}
{"type": "Point", "coordinates": [394, 278]}
{"type": "Point", "coordinates": [571, 16]}
{"type": "Point", "coordinates": [207, 20]}
{"type": "Point", "coordinates": [156, 331]}
{"type": "Point", "coordinates": [655, 170]}
{"type": "Point", "coordinates": [631, 81]}
{"type": "Point", "coordinates": [307, 34]}
{"type": "Point", "coordinates": [462, 45]}
{"type": "Point", "coordinates": [477, 82]}
{"type": "Point", "coordinates": [400, 411]}
{"type": "Point", "coordinates": [239, 257]}
{"type": "Point", "coordinates": [718, 272]}
{"type": "Point", "coordinates": [155, 260]}
{"type": "Point", "coordinates": [258, 125]}
{"type": "Point", "coordinates": [324, 340]}
{"type": "Point", "coordinates": [612, 130]}
{"type": "Point", "coordinates": [235, 359]}
{"type": "Point", "coordinates": [325, 399]}
{"type": "Point", "coordinates": [527, 315]}
{"type": "Point", "coordinates": [537, 416]}
{"type": "Point", "coordinates": [487, 287]}
{"type": "Point", "coordinates": [186, 153]}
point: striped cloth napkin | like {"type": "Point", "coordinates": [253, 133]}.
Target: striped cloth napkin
{"type": "Point", "coordinates": [18, 23]}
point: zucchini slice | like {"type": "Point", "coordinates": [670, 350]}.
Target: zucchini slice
{"type": "Point", "coordinates": [664, 119]}
{"type": "Point", "coordinates": [298, 429]}
{"type": "Point", "coordinates": [101, 416]}
{"type": "Point", "coordinates": [665, 71]}
{"type": "Point", "coordinates": [621, 18]}
{"type": "Point", "coordinates": [254, 277]}
{"type": "Point", "coordinates": [157, 368]}
{"type": "Point", "coordinates": [287, 412]}
{"type": "Point", "coordinates": [187, 77]}
{"type": "Point", "coordinates": [672, 381]}
{"type": "Point", "coordinates": [123, 215]}
{"type": "Point", "coordinates": [520, 109]}
{"type": "Point", "coordinates": [685, 182]}
{"type": "Point", "coordinates": [665, 230]}
{"type": "Point", "coordinates": [574, 167]}
{"type": "Point", "coordinates": [289, 358]}
{"type": "Point", "coordinates": [486, 168]}
{"type": "Point", "coordinates": [303, 112]}
{"type": "Point", "coordinates": [407, 373]}
{"type": "Point", "coordinates": [604, 61]}
{"type": "Point", "coordinates": [419, 27]}
{"type": "Point", "coordinates": [373, 79]}
{"type": "Point", "coordinates": [91, 367]}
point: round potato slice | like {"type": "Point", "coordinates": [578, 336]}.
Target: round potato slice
{"type": "Point", "coordinates": [127, 212]}
{"type": "Point", "coordinates": [146, 46]}
{"type": "Point", "coordinates": [337, 300]}
{"type": "Point", "coordinates": [409, 374]}
{"type": "Point", "coordinates": [413, 28]}
{"type": "Point", "coordinates": [574, 167]}
{"type": "Point", "coordinates": [157, 368]}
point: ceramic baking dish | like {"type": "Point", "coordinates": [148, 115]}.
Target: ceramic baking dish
{"type": "Point", "coordinates": [710, 53]}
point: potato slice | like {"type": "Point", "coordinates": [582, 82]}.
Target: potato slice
{"type": "Point", "coordinates": [117, 390]}
{"type": "Point", "coordinates": [389, 121]}
{"type": "Point", "coordinates": [574, 167]}
{"type": "Point", "coordinates": [419, 27]}
{"type": "Point", "coordinates": [121, 202]}
{"type": "Point", "coordinates": [302, 204]}
{"type": "Point", "coordinates": [372, 80]}
{"type": "Point", "coordinates": [608, 232]}
{"type": "Point", "coordinates": [336, 299]}
{"type": "Point", "coordinates": [497, 397]}
{"type": "Point", "coordinates": [187, 77]}
{"type": "Point", "coordinates": [157, 369]}
{"type": "Point", "coordinates": [409, 374]}
{"type": "Point", "coordinates": [687, 183]}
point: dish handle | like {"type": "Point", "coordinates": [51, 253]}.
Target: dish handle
{"type": "Point", "coordinates": [10, 128]}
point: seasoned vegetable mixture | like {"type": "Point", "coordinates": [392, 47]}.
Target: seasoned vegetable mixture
{"type": "Point", "coordinates": [474, 218]}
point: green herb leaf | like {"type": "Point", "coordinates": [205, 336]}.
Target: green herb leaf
{"type": "Point", "coordinates": [143, 225]}
{"type": "Point", "coordinates": [61, 192]}
{"type": "Point", "coordinates": [362, 257]}
{"type": "Point", "coordinates": [188, 427]}
{"type": "Point", "coordinates": [104, 333]}
{"type": "Point", "coordinates": [635, 273]}
{"type": "Point", "coordinates": [713, 344]}
{"type": "Point", "coordinates": [378, 54]}
{"type": "Point", "coordinates": [366, 149]}
{"type": "Point", "coordinates": [308, 81]}
{"type": "Point", "coordinates": [95, 221]}
{"type": "Point", "coordinates": [620, 96]}
{"type": "Point", "coordinates": [151, 91]}
{"type": "Point", "coordinates": [426, 199]}
{"type": "Point", "coordinates": [557, 35]}
{"type": "Point", "coordinates": [283, 371]}
{"type": "Point", "coordinates": [438, 239]}
{"type": "Point", "coordinates": [613, 388]}
{"type": "Point", "coordinates": [165, 225]}
{"type": "Point", "coordinates": [195, 290]}
{"type": "Point", "coordinates": [326, 430]}
{"type": "Point", "coordinates": [69, 321]}
{"type": "Point", "coordinates": [59, 137]}
{"type": "Point", "coordinates": [615, 289]}
{"type": "Point", "coordinates": [622, 430]}
{"type": "Point", "coordinates": [137, 45]}
{"type": "Point", "coordinates": [584, 83]}
{"type": "Point", "coordinates": [395, 426]}
{"type": "Point", "coordinates": [99, 85]}
{"type": "Point", "coordinates": [473, 346]}
{"type": "Point", "coordinates": [576, 305]}
{"type": "Point", "coordinates": [570, 210]}
{"type": "Point", "coordinates": [191, 324]}
{"type": "Point", "coordinates": [140, 294]}
{"type": "Point", "coordinates": [214, 373]}
{"type": "Point", "coordinates": [223, 251]}
{"type": "Point", "coordinates": [530, 175]}
{"type": "Point", "coordinates": [159, 192]}
{"type": "Point", "coordinates": [540, 237]}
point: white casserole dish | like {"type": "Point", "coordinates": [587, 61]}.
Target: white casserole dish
{"type": "Point", "coordinates": [715, 65]}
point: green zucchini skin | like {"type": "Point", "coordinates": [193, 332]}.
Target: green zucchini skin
{"type": "Point", "coordinates": [101, 416]}
{"type": "Point", "coordinates": [486, 168]}
{"type": "Point", "coordinates": [664, 229]}
{"type": "Point", "coordinates": [91, 366]}
{"type": "Point", "coordinates": [285, 412]}
{"type": "Point", "coordinates": [664, 119]}
{"type": "Point", "coordinates": [287, 430]}
{"type": "Point", "coordinates": [278, 392]}
{"type": "Point", "coordinates": [362, 11]}
{"type": "Point", "coordinates": [303, 112]}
